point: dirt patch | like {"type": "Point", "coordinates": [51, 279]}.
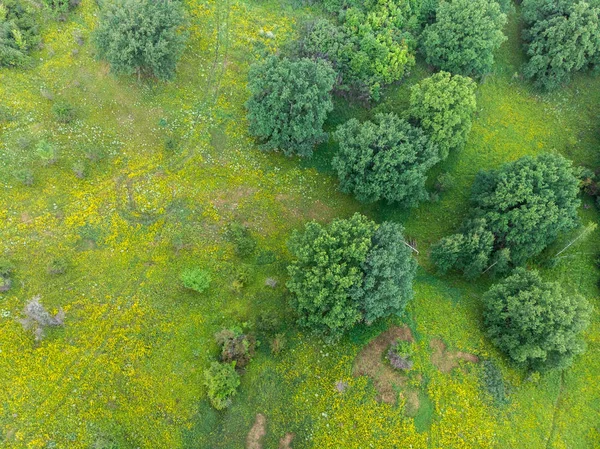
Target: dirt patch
{"type": "Point", "coordinates": [286, 441]}
{"type": "Point", "coordinates": [257, 432]}
{"type": "Point", "coordinates": [369, 362]}
{"type": "Point", "coordinates": [445, 360]}
{"type": "Point", "coordinates": [412, 402]}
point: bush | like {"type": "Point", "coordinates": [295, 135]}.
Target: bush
{"type": "Point", "coordinates": [141, 36]}
{"type": "Point", "coordinates": [19, 32]}
{"type": "Point", "coordinates": [6, 269]}
{"type": "Point", "coordinates": [222, 382]}
{"type": "Point", "coordinates": [236, 346]}
{"type": "Point", "coordinates": [444, 182]}
{"type": "Point", "coordinates": [464, 36]}
{"type": "Point", "coordinates": [384, 160]}
{"type": "Point", "coordinates": [196, 279]}
{"type": "Point", "coordinates": [47, 152]}
{"type": "Point", "coordinates": [517, 211]}
{"type": "Point", "coordinates": [562, 37]}
{"type": "Point", "coordinates": [349, 271]}
{"type": "Point", "coordinates": [371, 47]}
{"type": "Point", "coordinates": [240, 236]}
{"type": "Point", "coordinates": [399, 355]}
{"type": "Point", "coordinates": [278, 343]}
{"type": "Point", "coordinates": [443, 105]}
{"type": "Point", "coordinates": [58, 266]}
{"type": "Point", "coordinates": [494, 384]}
{"type": "Point", "coordinates": [289, 103]}
{"type": "Point", "coordinates": [63, 112]}
{"type": "Point", "coordinates": [24, 176]}
{"type": "Point", "coordinates": [536, 323]}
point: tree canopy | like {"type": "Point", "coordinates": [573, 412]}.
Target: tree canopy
{"type": "Point", "coordinates": [144, 37]}
{"type": "Point", "coordinates": [19, 32]}
{"type": "Point", "coordinates": [464, 36]}
{"type": "Point", "coordinates": [517, 211]}
{"type": "Point", "coordinates": [349, 271]}
{"type": "Point", "coordinates": [384, 160]}
{"type": "Point", "coordinates": [562, 37]}
{"type": "Point", "coordinates": [443, 105]}
{"type": "Point", "coordinates": [289, 102]}
{"type": "Point", "coordinates": [536, 323]}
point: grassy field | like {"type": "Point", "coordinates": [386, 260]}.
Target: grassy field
{"type": "Point", "coordinates": [126, 370]}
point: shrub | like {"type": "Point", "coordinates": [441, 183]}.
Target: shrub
{"type": "Point", "coordinates": [443, 105]}
{"type": "Point", "coordinates": [349, 271]}
{"type": "Point", "coordinates": [79, 169]}
{"type": "Point", "coordinates": [464, 36]}
{"type": "Point", "coordinates": [289, 103]}
{"type": "Point", "coordinates": [399, 355]}
{"type": "Point", "coordinates": [19, 32]}
{"type": "Point", "coordinates": [141, 36]}
{"type": "Point", "coordinates": [63, 112]}
{"type": "Point", "coordinates": [235, 346]}
{"type": "Point", "coordinates": [47, 152]}
{"type": "Point", "coordinates": [222, 382]}
{"type": "Point", "coordinates": [58, 266]}
{"type": "Point", "coordinates": [196, 279]}
{"type": "Point", "coordinates": [517, 211]}
{"type": "Point", "coordinates": [444, 182]}
{"type": "Point", "coordinates": [278, 343]}
{"type": "Point", "coordinates": [562, 37]}
{"type": "Point", "coordinates": [37, 318]}
{"type": "Point", "coordinates": [493, 382]}
{"type": "Point", "coordinates": [24, 176]}
{"type": "Point", "coordinates": [384, 160]}
{"type": "Point", "coordinates": [240, 236]}
{"type": "Point", "coordinates": [6, 267]}
{"type": "Point", "coordinates": [536, 323]}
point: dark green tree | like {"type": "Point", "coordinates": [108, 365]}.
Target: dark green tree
{"type": "Point", "coordinates": [562, 37]}
{"type": "Point", "coordinates": [464, 36]}
{"type": "Point", "coordinates": [384, 160]}
{"type": "Point", "coordinates": [523, 205]}
{"type": "Point", "coordinates": [19, 32]}
{"type": "Point", "coordinates": [536, 323]}
{"type": "Point", "coordinates": [289, 103]}
{"type": "Point", "coordinates": [144, 37]}
{"type": "Point", "coordinates": [350, 271]}
{"type": "Point", "coordinates": [443, 105]}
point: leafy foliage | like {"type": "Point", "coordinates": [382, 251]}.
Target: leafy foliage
{"type": "Point", "coordinates": [222, 382]}
{"type": "Point", "coordinates": [19, 32]}
{"type": "Point", "coordinates": [289, 103]}
{"type": "Point", "coordinates": [464, 36]}
{"type": "Point", "coordinates": [141, 36]}
{"type": "Point", "coordinates": [240, 236]}
{"type": "Point", "coordinates": [536, 323]}
{"type": "Point", "coordinates": [196, 279]}
{"type": "Point", "coordinates": [518, 210]}
{"type": "Point", "coordinates": [399, 355]}
{"type": "Point", "coordinates": [235, 346]}
{"type": "Point", "coordinates": [494, 383]}
{"type": "Point", "coordinates": [443, 105]}
{"type": "Point", "coordinates": [386, 159]}
{"type": "Point", "coordinates": [370, 47]}
{"type": "Point", "coordinates": [346, 272]}
{"type": "Point", "coordinates": [562, 37]}
{"type": "Point", "coordinates": [63, 111]}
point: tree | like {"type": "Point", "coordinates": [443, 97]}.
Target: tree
{"type": "Point", "coordinates": [370, 46]}
{"type": "Point", "coordinates": [19, 33]}
{"type": "Point", "coordinates": [222, 381]}
{"type": "Point", "coordinates": [384, 160]}
{"type": "Point", "coordinates": [536, 323]}
{"type": "Point", "coordinates": [517, 211]}
{"type": "Point", "coordinates": [142, 36]}
{"type": "Point", "coordinates": [349, 271]}
{"type": "Point", "coordinates": [562, 37]}
{"type": "Point", "coordinates": [464, 36]}
{"type": "Point", "coordinates": [289, 103]}
{"type": "Point", "coordinates": [389, 271]}
{"type": "Point", "coordinates": [443, 105]}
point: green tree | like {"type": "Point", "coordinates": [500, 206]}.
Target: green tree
{"type": "Point", "coordinates": [464, 36]}
{"type": "Point", "coordinates": [523, 205]}
{"type": "Point", "coordinates": [19, 32]}
{"type": "Point", "coordinates": [536, 323]}
{"type": "Point", "coordinates": [349, 271]}
{"type": "Point", "coordinates": [443, 105]}
{"type": "Point", "coordinates": [289, 103]}
{"type": "Point", "coordinates": [144, 37]}
{"type": "Point", "coordinates": [384, 160]}
{"type": "Point", "coordinates": [389, 270]}
{"type": "Point", "coordinates": [371, 45]}
{"type": "Point", "coordinates": [222, 381]}
{"type": "Point", "coordinates": [562, 37]}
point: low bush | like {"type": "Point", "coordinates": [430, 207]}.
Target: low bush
{"type": "Point", "coordinates": [196, 279]}
{"type": "Point", "coordinates": [63, 112]}
{"type": "Point", "coordinates": [242, 239]}
{"type": "Point", "coordinates": [222, 382]}
{"type": "Point", "coordinates": [236, 346]}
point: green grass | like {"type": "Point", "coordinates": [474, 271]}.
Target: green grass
{"type": "Point", "coordinates": [127, 367]}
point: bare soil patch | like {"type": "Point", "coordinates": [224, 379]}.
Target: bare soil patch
{"type": "Point", "coordinates": [445, 360]}
{"type": "Point", "coordinates": [257, 432]}
{"type": "Point", "coordinates": [369, 362]}
{"type": "Point", "coordinates": [286, 441]}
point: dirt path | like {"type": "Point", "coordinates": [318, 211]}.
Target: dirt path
{"type": "Point", "coordinates": [257, 432]}
{"type": "Point", "coordinates": [445, 360]}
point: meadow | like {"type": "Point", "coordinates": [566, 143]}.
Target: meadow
{"type": "Point", "coordinates": [166, 167]}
